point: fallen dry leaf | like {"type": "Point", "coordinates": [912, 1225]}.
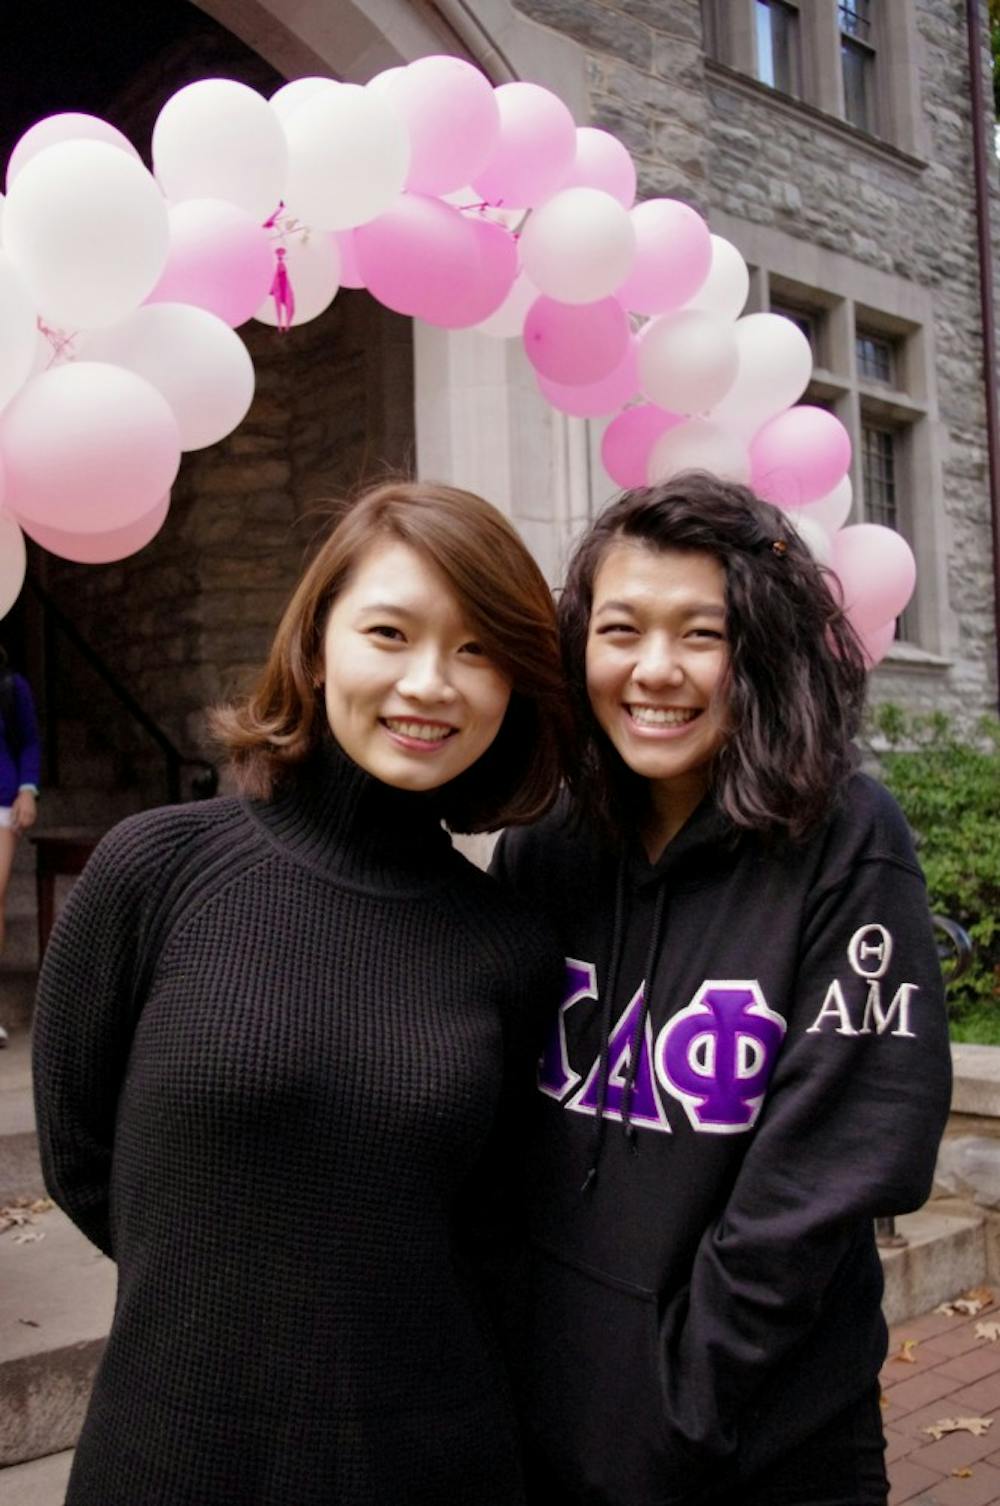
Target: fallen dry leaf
{"type": "Point", "coordinates": [906, 1355]}
{"type": "Point", "coordinates": [22, 1211]}
{"type": "Point", "coordinates": [989, 1330]}
{"type": "Point", "coordinates": [965, 1307]}
{"type": "Point", "coordinates": [962, 1474]}
{"type": "Point", "coordinates": [977, 1426]}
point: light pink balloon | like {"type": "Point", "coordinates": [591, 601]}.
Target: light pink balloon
{"type": "Point", "coordinates": [425, 259]}
{"type": "Point", "coordinates": [629, 439]}
{"type": "Point", "coordinates": [102, 548]}
{"type": "Point", "coordinates": [70, 126]}
{"type": "Point", "coordinates": [672, 257]}
{"type": "Point", "coordinates": [89, 448]}
{"type": "Point", "coordinates": [600, 398]}
{"type": "Point", "coordinates": [434, 94]}
{"type": "Point", "coordinates": [799, 456]}
{"type": "Point", "coordinates": [602, 161]}
{"type": "Point", "coordinates": [877, 573]}
{"type": "Point", "coordinates": [576, 344]}
{"type": "Point", "coordinates": [220, 259]}
{"type": "Point", "coordinates": [535, 149]}
{"type": "Point", "coordinates": [350, 272]}
{"type": "Point", "coordinates": [877, 642]}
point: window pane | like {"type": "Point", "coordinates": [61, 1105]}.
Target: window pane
{"type": "Point", "coordinates": [807, 321]}
{"type": "Point", "coordinates": [777, 45]}
{"type": "Point", "coordinates": [855, 18]}
{"type": "Point", "coordinates": [878, 476]}
{"type": "Point", "coordinates": [874, 358]}
{"type": "Point", "coordinates": [857, 63]}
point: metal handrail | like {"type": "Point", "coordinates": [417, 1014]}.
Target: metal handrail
{"type": "Point", "coordinates": [205, 782]}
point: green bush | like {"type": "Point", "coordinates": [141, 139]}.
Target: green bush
{"type": "Point", "coordinates": [949, 789]}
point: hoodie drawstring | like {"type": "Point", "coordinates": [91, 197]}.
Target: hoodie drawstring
{"type": "Point", "coordinates": [639, 1028]}
{"type": "Point", "coordinates": [607, 1004]}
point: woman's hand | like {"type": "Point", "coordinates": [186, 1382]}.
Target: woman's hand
{"type": "Point", "coordinates": [24, 811]}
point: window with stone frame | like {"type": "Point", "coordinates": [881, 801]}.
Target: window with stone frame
{"type": "Point", "coordinates": [777, 45]}
{"type": "Point", "coordinates": [880, 490]}
{"type": "Point", "coordinates": [857, 60]}
{"type": "Point", "coordinates": [876, 357]}
{"type": "Point", "coordinates": [808, 320]}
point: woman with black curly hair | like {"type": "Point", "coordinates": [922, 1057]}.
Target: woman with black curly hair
{"type": "Point", "coordinates": [751, 1061]}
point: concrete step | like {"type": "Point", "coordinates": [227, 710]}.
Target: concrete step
{"type": "Point", "coordinates": [947, 1251]}
{"type": "Point", "coordinates": [40, 1483]}
{"type": "Point", "coordinates": [20, 1170]}
{"type": "Point", "coordinates": [56, 1300]}
{"type": "Point", "coordinates": [977, 1080]}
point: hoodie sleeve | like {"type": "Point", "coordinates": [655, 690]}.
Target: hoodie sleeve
{"type": "Point", "coordinates": [848, 1131]}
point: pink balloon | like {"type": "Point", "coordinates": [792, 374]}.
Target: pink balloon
{"type": "Point", "coordinates": [220, 259]}
{"type": "Point", "coordinates": [672, 257]}
{"type": "Point", "coordinates": [602, 161]}
{"type": "Point", "coordinates": [799, 456]}
{"type": "Point", "coordinates": [89, 448]}
{"type": "Point", "coordinates": [877, 642]}
{"type": "Point", "coordinates": [629, 439]}
{"type": "Point", "coordinates": [70, 126]}
{"type": "Point", "coordinates": [535, 150]}
{"type": "Point", "coordinates": [599, 398]}
{"type": "Point", "coordinates": [877, 573]}
{"type": "Point", "coordinates": [576, 344]}
{"type": "Point", "coordinates": [426, 259]}
{"type": "Point", "coordinates": [102, 548]}
{"type": "Point", "coordinates": [350, 272]}
{"type": "Point", "coordinates": [433, 94]}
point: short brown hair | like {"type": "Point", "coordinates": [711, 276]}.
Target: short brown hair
{"type": "Point", "coordinates": [508, 603]}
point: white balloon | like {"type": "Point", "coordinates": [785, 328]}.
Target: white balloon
{"type": "Point", "coordinates": [833, 510]}
{"type": "Point", "coordinates": [218, 139]}
{"type": "Point", "coordinates": [698, 445]}
{"type": "Point", "coordinates": [286, 100]}
{"type": "Point", "coordinates": [579, 246]}
{"type": "Point", "coordinates": [348, 155]}
{"type": "Point", "coordinates": [13, 562]}
{"type": "Point", "coordinates": [814, 536]}
{"type": "Point", "coordinates": [725, 289]}
{"type": "Point", "coordinates": [67, 127]}
{"type": "Point", "coordinates": [775, 364]}
{"type": "Point", "coordinates": [87, 229]}
{"type": "Point", "coordinates": [18, 331]}
{"type": "Point", "coordinates": [313, 265]}
{"type": "Point", "coordinates": [508, 320]}
{"type": "Point", "coordinates": [687, 360]}
{"type": "Point", "coordinates": [192, 357]}
{"type": "Point", "coordinates": [88, 447]}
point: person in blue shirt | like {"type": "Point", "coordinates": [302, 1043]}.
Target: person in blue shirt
{"type": "Point", "coordinates": [20, 757]}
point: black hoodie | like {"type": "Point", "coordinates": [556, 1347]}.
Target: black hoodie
{"type": "Point", "coordinates": [704, 1289]}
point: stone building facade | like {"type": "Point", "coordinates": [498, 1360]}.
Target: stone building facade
{"type": "Point", "coordinates": [831, 143]}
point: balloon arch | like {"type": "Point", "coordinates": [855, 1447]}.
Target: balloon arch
{"type": "Point", "coordinates": [120, 291]}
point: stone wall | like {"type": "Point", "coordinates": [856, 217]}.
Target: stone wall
{"type": "Point", "coordinates": [728, 145]}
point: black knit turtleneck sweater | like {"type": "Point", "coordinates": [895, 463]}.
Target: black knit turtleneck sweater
{"type": "Point", "coordinates": [271, 1052]}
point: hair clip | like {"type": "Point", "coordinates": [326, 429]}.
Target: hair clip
{"type": "Point", "coordinates": [779, 547]}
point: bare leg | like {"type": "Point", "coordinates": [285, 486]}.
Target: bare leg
{"type": "Point", "coordinates": [8, 846]}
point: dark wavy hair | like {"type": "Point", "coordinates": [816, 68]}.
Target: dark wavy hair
{"type": "Point", "coordinates": [504, 594]}
{"type": "Point", "coordinates": [795, 683]}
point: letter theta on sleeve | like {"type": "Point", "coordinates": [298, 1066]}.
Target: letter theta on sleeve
{"type": "Point", "coordinates": [555, 1075]}
{"type": "Point", "coordinates": [717, 1055]}
{"type": "Point", "coordinates": [645, 1107]}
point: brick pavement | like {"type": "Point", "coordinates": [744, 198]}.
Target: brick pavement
{"type": "Point", "coordinates": [951, 1373]}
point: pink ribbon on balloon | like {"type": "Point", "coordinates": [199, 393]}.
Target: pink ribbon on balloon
{"type": "Point", "coordinates": [282, 292]}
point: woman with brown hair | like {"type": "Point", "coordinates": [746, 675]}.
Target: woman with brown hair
{"type": "Point", "coordinates": [279, 1037]}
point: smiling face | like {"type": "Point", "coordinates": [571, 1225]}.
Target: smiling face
{"type": "Point", "coordinates": [656, 659]}
{"type": "Point", "coordinates": [410, 695]}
